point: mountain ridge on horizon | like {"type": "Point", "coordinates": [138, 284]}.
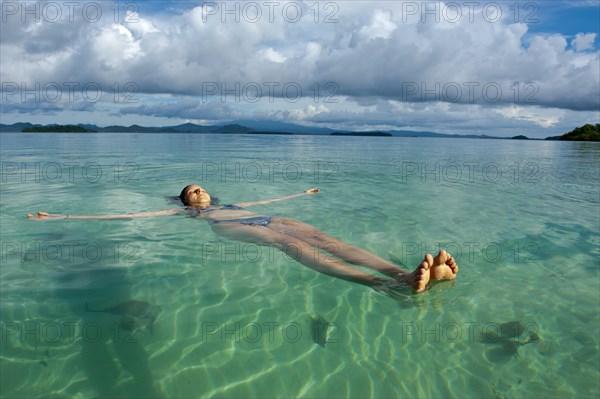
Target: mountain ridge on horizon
{"type": "Point", "coordinates": [249, 127]}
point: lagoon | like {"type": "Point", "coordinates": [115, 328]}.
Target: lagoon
{"type": "Point", "coordinates": [521, 218]}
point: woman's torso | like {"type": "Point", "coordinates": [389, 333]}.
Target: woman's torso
{"type": "Point", "coordinates": [224, 213]}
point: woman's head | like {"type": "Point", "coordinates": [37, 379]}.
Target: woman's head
{"type": "Point", "coordinates": [193, 194]}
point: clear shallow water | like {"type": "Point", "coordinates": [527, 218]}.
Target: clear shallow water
{"type": "Point", "coordinates": [522, 219]}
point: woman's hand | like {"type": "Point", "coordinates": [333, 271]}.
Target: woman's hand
{"type": "Point", "coordinates": [313, 190]}
{"type": "Point", "coordinates": [45, 215]}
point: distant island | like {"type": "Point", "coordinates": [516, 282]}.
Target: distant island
{"type": "Point", "coordinates": [376, 134]}
{"type": "Point", "coordinates": [57, 129]}
{"type": "Point", "coordinates": [584, 133]}
{"type": "Point", "coordinates": [237, 127]}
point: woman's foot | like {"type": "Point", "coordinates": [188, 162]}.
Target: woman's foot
{"type": "Point", "coordinates": [444, 267]}
{"type": "Point", "coordinates": [418, 280]}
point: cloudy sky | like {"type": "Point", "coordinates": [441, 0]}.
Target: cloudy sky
{"type": "Point", "coordinates": [485, 67]}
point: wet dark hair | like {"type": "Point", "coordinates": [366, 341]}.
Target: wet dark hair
{"type": "Point", "coordinates": [213, 200]}
{"type": "Point", "coordinates": [182, 195]}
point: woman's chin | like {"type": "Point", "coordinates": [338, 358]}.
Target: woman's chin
{"type": "Point", "coordinates": [202, 204]}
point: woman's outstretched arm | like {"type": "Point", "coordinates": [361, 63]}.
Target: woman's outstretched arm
{"type": "Point", "coordinates": [53, 216]}
{"type": "Point", "coordinates": [313, 190]}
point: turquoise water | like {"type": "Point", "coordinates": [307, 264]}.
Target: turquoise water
{"type": "Point", "coordinates": [521, 218]}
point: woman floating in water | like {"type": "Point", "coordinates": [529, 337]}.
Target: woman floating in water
{"type": "Point", "coordinates": [298, 240]}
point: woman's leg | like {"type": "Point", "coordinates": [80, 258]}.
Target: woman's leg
{"type": "Point", "coordinates": [349, 253]}
{"type": "Point", "coordinates": [443, 267]}
{"type": "Point", "coordinates": [307, 255]}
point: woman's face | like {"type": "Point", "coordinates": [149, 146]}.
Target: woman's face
{"type": "Point", "coordinates": [196, 195]}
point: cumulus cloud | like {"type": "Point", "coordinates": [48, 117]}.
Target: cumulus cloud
{"type": "Point", "coordinates": [271, 55]}
{"type": "Point", "coordinates": [544, 118]}
{"type": "Point", "coordinates": [307, 113]}
{"type": "Point", "coordinates": [382, 55]}
{"type": "Point", "coordinates": [381, 26]}
{"type": "Point", "coordinates": [583, 41]}
{"type": "Point", "coordinates": [115, 47]}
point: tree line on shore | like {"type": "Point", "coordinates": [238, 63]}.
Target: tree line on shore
{"type": "Point", "coordinates": [586, 132]}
